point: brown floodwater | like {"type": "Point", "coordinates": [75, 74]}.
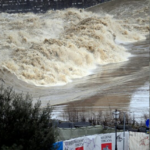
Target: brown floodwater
{"type": "Point", "coordinates": [115, 86]}
{"type": "Point", "coordinates": [27, 63]}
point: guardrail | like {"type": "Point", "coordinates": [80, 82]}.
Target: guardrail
{"type": "Point", "coordinates": [16, 6]}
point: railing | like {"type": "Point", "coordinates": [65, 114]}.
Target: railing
{"type": "Point", "coordinates": [16, 6]}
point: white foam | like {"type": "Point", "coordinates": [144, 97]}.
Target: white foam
{"type": "Point", "coordinates": [139, 104]}
{"type": "Point", "coordinates": [56, 47]}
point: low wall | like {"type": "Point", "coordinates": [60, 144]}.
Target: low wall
{"type": "Point", "coordinates": [16, 6]}
{"type": "Point", "coordinates": [129, 140]}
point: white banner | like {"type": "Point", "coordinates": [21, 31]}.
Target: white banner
{"type": "Point", "coordinates": [92, 142]}
{"type": "Point", "coordinates": [98, 142]}
{"type": "Point", "coordinates": [108, 141]}
{"type": "Point", "coordinates": [74, 144]}
{"type": "Point", "coordinates": [138, 141]}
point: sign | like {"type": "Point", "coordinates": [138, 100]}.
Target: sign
{"type": "Point", "coordinates": [74, 144]}
{"type": "Point", "coordinates": [92, 142]}
{"type": "Point", "coordinates": [138, 141]}
{"type": "Point", "coordinates": [106, 142]}
{"type": "Point", "coordinates": [98, 142]}
{"type": "Point", "coordinates": [106, 146]}
{"type": "Point", "coordinates": [80, 148]}
{"type": "Point", "coordinates": [147, 123]}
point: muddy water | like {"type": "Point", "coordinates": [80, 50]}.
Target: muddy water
{"type": "Point", "coordinates": [119, 86]}
{"type": "Point", "coordinates": [26, 66]}
{"type": "Point", "coordinates": [110, 85]}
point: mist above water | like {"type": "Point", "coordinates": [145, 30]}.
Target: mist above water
{"type": "Point", "coordinates": [58, 46]}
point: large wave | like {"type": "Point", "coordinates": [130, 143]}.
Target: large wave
{"type": "Point", "coordinates": [58, 46]}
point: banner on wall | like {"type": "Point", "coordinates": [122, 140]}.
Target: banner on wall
{"type": "Point", "coordinates": [106, 141]}
{"type": "Point", "coordinates": [58, 145]}
{"type": "Point", "coordinates": [74, 144]}
{"type": "Point", "coordinates": [121, 140]}
{"type": "Point", "coordinates": [92, 142]}
{"type": "Point", "coordinates": [138, 141]}
{"type": "Point", "coordinates": [97, 142]}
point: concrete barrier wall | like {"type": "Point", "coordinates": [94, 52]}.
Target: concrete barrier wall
{"type": "Point", "coordinates": [16, 6]}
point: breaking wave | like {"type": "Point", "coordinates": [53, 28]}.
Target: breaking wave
{"type": "Point", "coordinates": [58, 46]}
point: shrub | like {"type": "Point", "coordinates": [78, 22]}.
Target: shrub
{"type": "Point", "coordinates": [24, 126]}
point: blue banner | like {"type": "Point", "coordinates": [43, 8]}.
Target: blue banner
{"type": "Point", "coordinates": [58, 145]}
